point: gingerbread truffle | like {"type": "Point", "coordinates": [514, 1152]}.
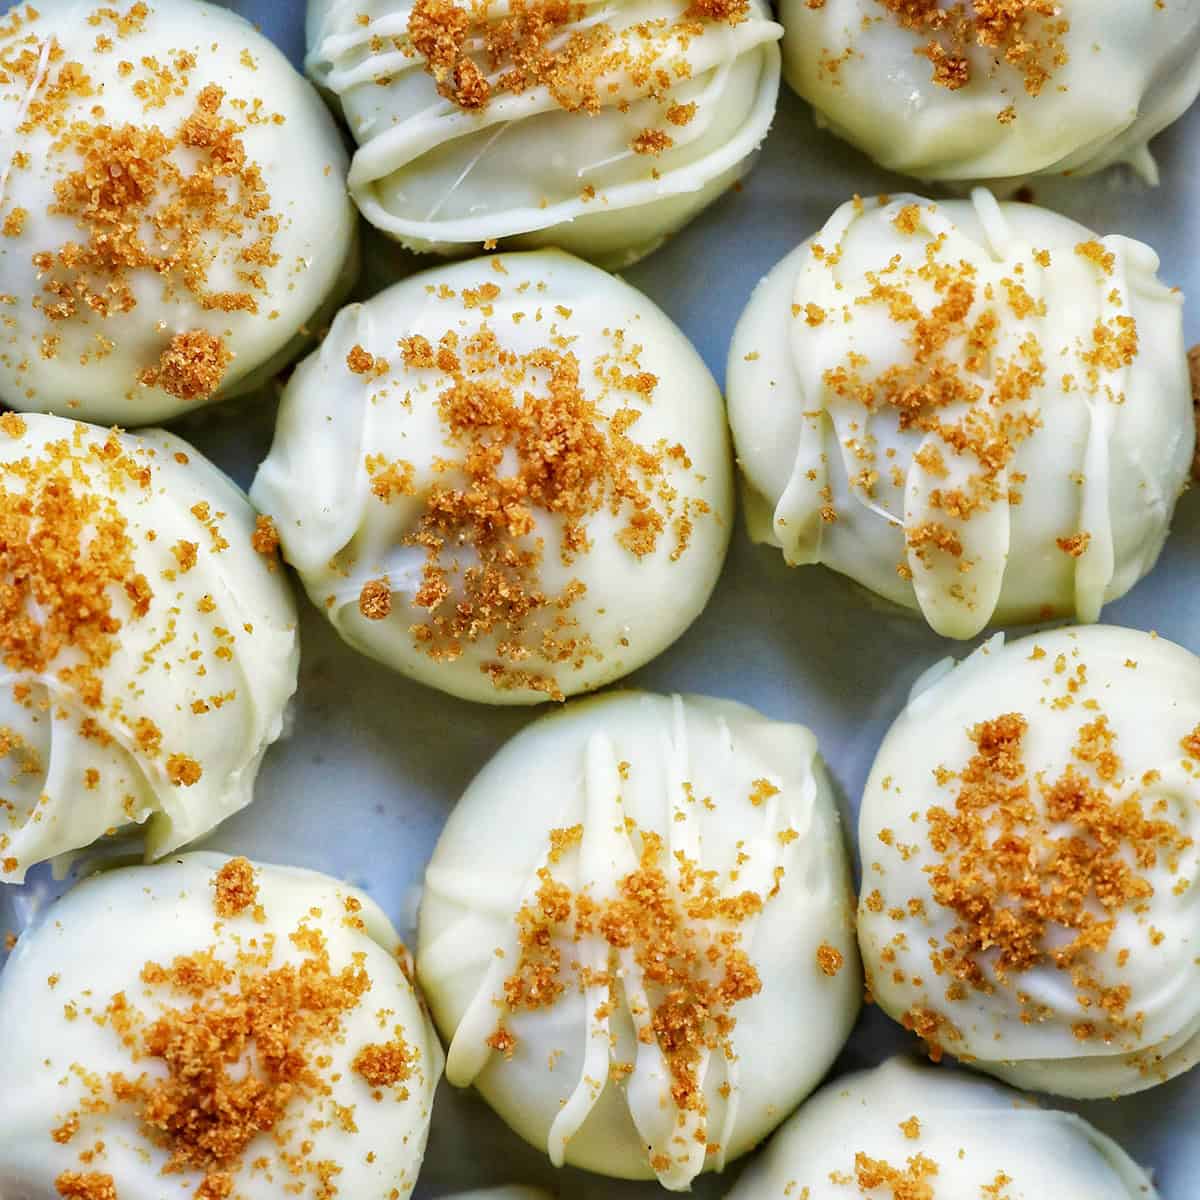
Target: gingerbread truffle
{"type": "Point", "coordinates": [990, 90]}
{"type": "Point", "coordinates": [597, 130]}
{"type": "Point", "coordinates": [1028, 835]}
{"type": "Point", "coordinates": [636, 934]}
{"type": "Point", "coordinates": [172, 208]}
{"type": "Point", "coordinates": [978, 411]}
{"type": "Point", "coordinates": [509, 478]}
{"type": "Point", "coordinates": [148, 638]}
{"type": "Point", "coordinates": [210, 1028]}
{"type": "Point", "coordinates": [919, 1133]}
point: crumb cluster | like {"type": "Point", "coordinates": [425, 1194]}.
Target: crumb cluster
{"type": "Point", "coordinates": [1036, 870]}
{"type": "Point", "coordinates": [530, 441]}
{"type": "Point", "coordinates": [684, 936]}
{"type": "Point", "coordinates": [237, 1041]}
{"type": "Point", "coordinates": [971, 404]}
{"type": "Point", "coordinates": [475, 55]}
{"type": "Point", "coordinates": [156, 208]}
{"type": "Point", "coordinates": [1026, 35]}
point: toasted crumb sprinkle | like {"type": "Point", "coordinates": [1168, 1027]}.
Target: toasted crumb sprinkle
{"type": "Point", "coordinates": [385, 1064]}
{"type": "Point", "coordinates": [375, 600]}
{"type": "Point", "coordinates": [183, 770]}
{"type": "Point", "coordinates": [829, 959]}
{"type": "Point", "coordinates": [1029, 889]}
{"type": "Point", "coordinates": [525, 49]}
{"type": "Point", "coordinates": [1026, 35]}
{"type": "Point", "coordinates": [684, 938]}
{"type": "Point", "coordinates": [91, 1185]}
{"type": "Point", "coordinates": [144, 208]}
{"type": "Point", "coordinates": [530, 440]}
{"type": "Point", "coordinates": [265, 538]}
{"type": "Point", "coordinates": [192, 366]}
{"type": "Point", "coordinates": [236, 890]}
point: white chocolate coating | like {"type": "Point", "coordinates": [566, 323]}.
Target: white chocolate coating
{"type": "Point", "coordinates": [277, 247]}
{"type": "Point", "coordinates": [94, 944]}
{"type": "Point", "coordinates": [194, 672]}
{"type": "Point", "coordinates": [1089, 96]}
{"type": "Point", "coordinates": [342, 436]}
{"type": "Point", "coordinates": [699, 773]}
{"type": "Point", "coordinates": [523, 166]}
{"type": "Point", "coordinates": [1051, 937]}
{"type": "Point", "coordinates": [976, 1133]}
{"type": "Point", "coordinates": [1003, 445]}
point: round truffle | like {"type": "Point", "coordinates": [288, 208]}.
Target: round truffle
{"type": "Point", "coordinates": [597, 129]}
{"type": "Point", "coordinates": [172, 208]}
{"type": "Point", "coordinates": [907, 1130]}
{"type": "Point", "coordinates": [210, 1027]}
{"type": "Point", "coordinates": [978, 411]}
{"type": "Point", "coordinates": [1030, 865]}
{"type": "Point", "coordinates": [990, 91]}
{"type": "Point", "coordinates": [148, 639]}
{"type": "Point", "coordinates": [508, 478]}
{"type": "Point", "coordinates": [637, 935]}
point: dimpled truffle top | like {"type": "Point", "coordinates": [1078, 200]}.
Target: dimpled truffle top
{"type": "Point", "coordinates": [147, 637]}
{"type": "Point", "coordinates": [172, 207]}
{"type": "Point", "coordinates": [977, 410]}
{"type": "Point", "coordinates": [1030, 872]}
{"type": "Point", "coordinates": [508, 478]}
{"type": "Point", "coordinates": [995, 88]}
{"type": "Point", "coordinates": [211, 1029]}
{"type": "Point", "coordinates": [636, 933]}
{"type": "Point", "coordinates": [908, 1132]}
{"type": "Point", "coordinates": [595, 127]}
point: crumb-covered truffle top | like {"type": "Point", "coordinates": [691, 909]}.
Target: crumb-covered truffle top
{"type": "Point", "coordinates": [908, 1132]}
{"type": "Point", "coordinates": [133, 605]}
{"type": "Point", "coordinates": [152, 246]}
{"type": "Point", "coordinates": [995, 88]}
{"type": "Point", "coordinates": [641, 99]}
{"type": "Point", "coordinates": [270, 1036]}
{"type": "Point", "coordinates": [978, 382]}
{"type": "Point", "coordinates": [1029, 877]}
{"type": "Point", "coordinates": [515, 451]}
{"type": "Point", "coordinates": [644, 927]}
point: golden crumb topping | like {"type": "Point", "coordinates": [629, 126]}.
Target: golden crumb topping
{"type": "Point", "coordinates": [475, 54]}
{"type": "Point", "coordinates": [975, 406]}
{"type": "Point", "coordinates": [155, 208]}
{"type": "Point", "coordinates": [1036, 869]}
{"type": "Point", "coordinates": [1026, 35]}
{"type": "Point", "coordinates": [235, 888]}
{"type": "Point", "coordinates": [876, 1176]}
{"type": "Point", "coordinates": [88, 1185]}
{"type": "Point", "coordinates": [223, 1049]}
{"type": "Point", "coordinates": [684, 937]}
{"type": "Point", "coordinates": [191, 367]}
{"type": "Point", "coordinates": [528, 440]}
{"type": "Point", "coordinates": [830, 959]}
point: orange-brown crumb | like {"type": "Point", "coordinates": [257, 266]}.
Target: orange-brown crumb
{"type": "Point", "coordinates": [236, 890]}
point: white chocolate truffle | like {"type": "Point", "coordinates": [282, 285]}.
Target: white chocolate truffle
{"type": "Point", "coordinates": [636, 933]}
{"type": "Point", "coordinates": [1029, 841]}
{"type": "Point", "coordinates": [978, 411]}
{"type": "Point", "coordinates": [172, 205]}
{"type": "Point", "coordinates": [507, 478]}
{"type": "Point", "coordinates": [209, 1027]}
{"type": "Point", "coordinates": [148, 639]}
{"type": "Point", "coordinates": [908, 1130]}
{"type": "Point", "coordinates": [599, 129]}
{"type": "Point", "coordinates": [1066, 87]}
